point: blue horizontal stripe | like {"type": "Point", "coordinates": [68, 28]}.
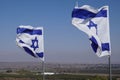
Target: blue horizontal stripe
{"type": "Point", "coordinates": [29, 51]}
{"type": "Point", "coordinates": [21, 41]}
{"type": "Point", "coordinates": [105, 47]}
{"type": "Point", "coordinates": [29, 31]}
{"type": "Point", "coordinates": [94, 44]}
{"type": "Point", "coordinates": [40, 54]}
{"type": "Point", "coordinates": [85, 14]}
{"type": "Point", "coordinates": [32, 54]}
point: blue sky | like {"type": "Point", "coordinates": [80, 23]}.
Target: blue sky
{"type": "Point", "coordinates": [63, 42]}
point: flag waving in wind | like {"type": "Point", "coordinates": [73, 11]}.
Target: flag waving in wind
{"type": "Point", "coordinates": [95, 23]}
{"type": "Point", "coordinates": [31, 40]}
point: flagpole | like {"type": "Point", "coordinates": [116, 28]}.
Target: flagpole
{"type": "Point", "coordinates": [109, 57]}
{"type": "Point", "coordinates": [43, 61]}
{"type": "Point", "coordinates": [110, 71]}
{"type": "Point", "coordinates": [43, 70]}
{"type": "Point", "coordinates": [76, 5]}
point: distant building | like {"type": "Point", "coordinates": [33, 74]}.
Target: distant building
{"type": "Point", "coordinates": [48, 73]}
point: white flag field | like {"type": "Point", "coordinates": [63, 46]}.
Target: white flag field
{"type": "Point", "coordinates": [95, 23]}
{"type": "Point", "coordinates": [31, 40]}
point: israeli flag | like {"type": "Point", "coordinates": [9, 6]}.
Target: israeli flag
{"type": "Point", "coordinates": [95, 23]}
{"type": "Point", "coordinates": [31, 40]}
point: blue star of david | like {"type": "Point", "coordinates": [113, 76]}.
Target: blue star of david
{"type": "Point", "coordinates": [92, 24]}
{"type": "Point", "coordinates": [34, 43]}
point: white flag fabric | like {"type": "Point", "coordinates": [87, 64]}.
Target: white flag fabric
{"type": "Point", "coordinates": [31, 40]}
{"type": "Point", "coordinates": [95, 23]}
